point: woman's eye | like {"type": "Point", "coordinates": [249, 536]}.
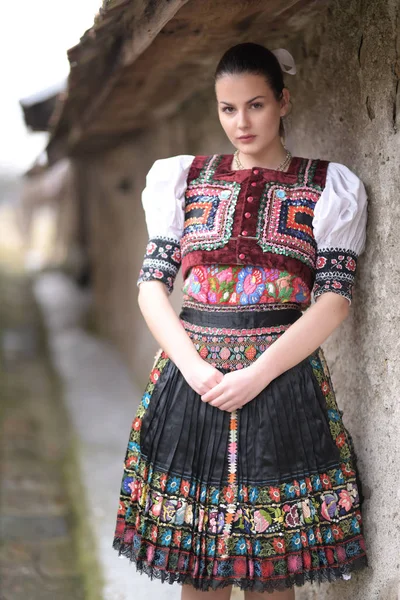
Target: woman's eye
{"type": "Point", "coordinates": [230, 109]}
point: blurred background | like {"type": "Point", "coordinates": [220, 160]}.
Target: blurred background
{"type": "Point", "coordinates": [91, 95]}
{"type": "Point", "coordinates": [34, 65]}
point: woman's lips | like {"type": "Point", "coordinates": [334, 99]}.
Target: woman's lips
{"type": "Point", "coordinates": [247, 138]}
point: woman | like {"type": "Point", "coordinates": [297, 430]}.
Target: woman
{"type": "Point", "coordinates": [239, 469]}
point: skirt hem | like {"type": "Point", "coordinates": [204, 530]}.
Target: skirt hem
{"type": "Point", "coordinates": [321, 575]}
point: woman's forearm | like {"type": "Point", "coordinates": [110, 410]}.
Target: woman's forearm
{"type": "Point", "coordinates": [303, 337]}
{"type": "Point", "coordinates": [164, 323]}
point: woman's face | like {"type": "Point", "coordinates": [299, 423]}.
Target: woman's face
{"type": "Point", "coordinates": [249, 112]}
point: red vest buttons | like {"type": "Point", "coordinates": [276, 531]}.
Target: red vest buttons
{"type": "Point", "coordinates": [256, 171]}
{"type": "Point", "coordinates": [250, 199]}
{"type": "Point", "coordinates": [247, 215]}
{"type": "Point", "coordinates": [242, 256]}
{"type": "Point", "coordinates": [244, 232]}
{"type": "Point", "coordinates": [253, 183]}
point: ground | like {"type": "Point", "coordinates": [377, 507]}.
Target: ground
{"type": "Point", "coordinates": [37, 551]}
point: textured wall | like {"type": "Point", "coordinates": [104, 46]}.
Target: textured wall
{"type": "Point", "coordinates": [344, 109]}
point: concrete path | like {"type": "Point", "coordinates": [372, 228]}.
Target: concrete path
{"type": "Point", "coordinates": [101, 400]}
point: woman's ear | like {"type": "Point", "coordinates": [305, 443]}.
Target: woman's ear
{"type": "Point", "coordinates": [285, 102]}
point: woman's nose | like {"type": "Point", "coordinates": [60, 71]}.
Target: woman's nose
{"type": "Point", "coordinates": [243, 119]}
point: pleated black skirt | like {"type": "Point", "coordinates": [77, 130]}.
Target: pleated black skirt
{"type": "Point", "coordinates": [265, 497]}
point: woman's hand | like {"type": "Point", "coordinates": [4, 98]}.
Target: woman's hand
{"type": "Point", "coordinates": [169, 332]}
{"type": "Point", "coordinates": [200, 375]}
{"type": "Point", "coordinates": [235, 389]}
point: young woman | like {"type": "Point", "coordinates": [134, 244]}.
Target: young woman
{"type": "Point", "coordinates": [239, 469]}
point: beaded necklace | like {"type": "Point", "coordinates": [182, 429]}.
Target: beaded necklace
{"type": "Point", "coordinates": [281, 167]}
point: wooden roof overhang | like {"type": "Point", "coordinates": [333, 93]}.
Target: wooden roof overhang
{"type": "Point", "coordinates": [143, 58]}
{"type": "Point", "coordinates": [39, 108]}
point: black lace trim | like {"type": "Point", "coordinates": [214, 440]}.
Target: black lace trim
{"type": "Point", "coordinates": [328, 574]}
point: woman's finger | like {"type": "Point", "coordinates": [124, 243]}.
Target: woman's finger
{"type": "Point", "coordinates": [218, 401]}
{"type": "Point", "coordinates": [219, 376]}
{"type": "Point", "coordinates": [227, 405]}
{"type": "Point", "coordinates": [214, 392]}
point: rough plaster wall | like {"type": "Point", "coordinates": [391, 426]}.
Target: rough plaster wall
{"type": "Point", "coordinates": [112, 185]}
{"type": "Point", "coordinates": [344, 110]}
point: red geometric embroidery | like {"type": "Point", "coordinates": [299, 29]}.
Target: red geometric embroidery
{"type": "Point", "coordinates": [197, 213]}
{"type": "Point", "coordinates": [293, 211]}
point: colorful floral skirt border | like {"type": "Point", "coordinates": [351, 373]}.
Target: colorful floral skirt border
{"type": "Point", "coordinates": [265, 498]}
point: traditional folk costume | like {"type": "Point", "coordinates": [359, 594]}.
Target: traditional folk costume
{"type": "Point", "coordinates": [268, 496]}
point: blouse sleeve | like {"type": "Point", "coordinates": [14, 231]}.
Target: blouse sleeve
{"type": "Point", "coordinates": [339, 222]}
{"type": "Point", "coordinates": [163, 201]}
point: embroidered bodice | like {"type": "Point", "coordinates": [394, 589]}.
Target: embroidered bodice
{"type": "Point", "coordinates": [254, 235]}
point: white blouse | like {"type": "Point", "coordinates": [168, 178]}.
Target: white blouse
{"type": "Point", "coordinates": [339, 220]}
{"type": "Point", "coordinates": [163, 198]}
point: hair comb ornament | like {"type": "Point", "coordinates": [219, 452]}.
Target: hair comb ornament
{"type": "Point", "coordinates": [285, 60]}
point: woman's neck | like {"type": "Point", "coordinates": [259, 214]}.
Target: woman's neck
{"type": "Point", "coordinates": [270, 158]}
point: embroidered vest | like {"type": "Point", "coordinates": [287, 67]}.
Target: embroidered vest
{"type": "Point", "coordinates": [254, 216]}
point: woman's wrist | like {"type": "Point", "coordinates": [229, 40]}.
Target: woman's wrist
{"type": "Point", "coordinates": [188, 361]}
{"type": "Point", "coordinates": [261, 370]}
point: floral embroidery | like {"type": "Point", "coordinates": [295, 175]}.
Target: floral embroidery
{"type": "Point", "coordinates": [161, 261]}
{"type": "Point", "coordinates": [335, 272]}
{"type": "Point", "coordinates": [243, 286]}
{"type": "Point", "coordinates": [250, 285]}
{"type": "Point", "coordinates": [198, 284]}
{"type": "Point", "coordinates": [231, 349]}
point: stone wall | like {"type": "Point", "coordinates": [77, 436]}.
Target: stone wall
{"type": "Point", "coordinates": [345, 109]}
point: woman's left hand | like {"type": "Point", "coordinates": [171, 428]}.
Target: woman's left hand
{"type": "Point", "coordinates": [236, 389]}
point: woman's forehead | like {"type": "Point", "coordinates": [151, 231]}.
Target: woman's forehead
{"type": "Point", "coordinates": [243, 87]}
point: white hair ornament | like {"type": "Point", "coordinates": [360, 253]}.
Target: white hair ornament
{"type": "Point", "coordinates": [285, 60]}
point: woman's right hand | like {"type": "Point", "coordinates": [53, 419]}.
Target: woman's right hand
{"type": "Point", "coordinates": [200, 375]}
{"type": "Point", "coordinates": [169, 332]}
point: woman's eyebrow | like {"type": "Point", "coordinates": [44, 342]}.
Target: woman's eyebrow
{"type": "Point", "coordinates": [248, 101]}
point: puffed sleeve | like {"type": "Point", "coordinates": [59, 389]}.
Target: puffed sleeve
{"type": "Point", "coordinates": [163, 201]}
{"type": "Point", "coordinates": [339, 222]}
